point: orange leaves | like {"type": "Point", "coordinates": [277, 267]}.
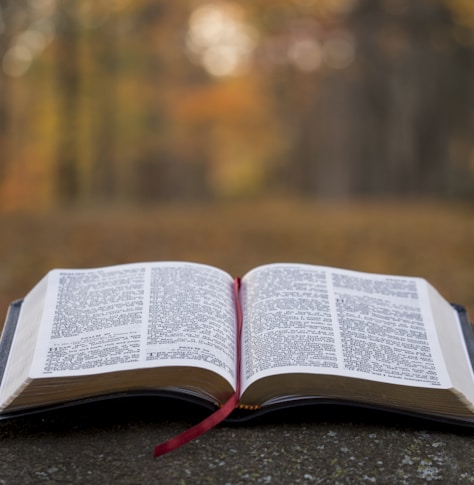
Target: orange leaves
{"type": "Point", "coordinates": [230, 101]}
{"type": "Point", "coordinates": [231, 124]}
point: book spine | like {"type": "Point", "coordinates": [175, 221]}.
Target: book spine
{"type": "Point", "coordinates": [7, 334]}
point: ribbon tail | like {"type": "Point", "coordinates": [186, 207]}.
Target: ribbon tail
{"type": "Point", "coordinates": [197, 430]}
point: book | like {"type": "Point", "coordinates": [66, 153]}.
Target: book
{"type": "Point", "coordinates": [282, 335]}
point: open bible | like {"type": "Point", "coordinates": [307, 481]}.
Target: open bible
{"type": "Point", "coordinates": [307, 333]}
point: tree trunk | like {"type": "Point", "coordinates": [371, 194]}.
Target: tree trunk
{"type": "Point", "coordinates": [105, 112]}
{"type": "Point", "coordinates": [68, 83]}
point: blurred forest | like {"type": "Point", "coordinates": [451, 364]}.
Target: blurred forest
{"type": "Point", "coordinates": [124, 101]}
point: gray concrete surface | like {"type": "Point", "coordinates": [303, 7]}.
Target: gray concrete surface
{"type": "Point", "coordinates": [113, 443]}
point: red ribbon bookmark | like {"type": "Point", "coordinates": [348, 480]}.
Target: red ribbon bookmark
{"type": "Point", "coordinates": [197, 430]}
{"type": "Point", "coordinates": [218, 416]}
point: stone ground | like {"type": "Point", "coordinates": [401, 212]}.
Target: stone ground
{"type": "Point", "coordinates": [112, 442]}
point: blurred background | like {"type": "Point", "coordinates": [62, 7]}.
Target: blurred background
{"type": "Point", "coordinates": [150, 100]}
{"type": "Point", "coordinates": [237, 133]}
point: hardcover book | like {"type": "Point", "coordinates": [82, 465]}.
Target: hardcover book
{"type": "Point", "coordinates": [282, 335]}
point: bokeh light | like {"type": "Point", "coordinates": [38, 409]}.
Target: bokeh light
{"type": "Point", "coordinates": [306, 54]}
{"type": "Point", "coordinates": [220, 39]}
{"type": "Point", "coordinates": [17, 61]}
{"type": "Point", "coordinates": [339, 51]}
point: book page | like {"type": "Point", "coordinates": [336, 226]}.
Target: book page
{"type": "Point", "coordinates": [310, 319]}
{"type": "Point", "coordinates": [137, 316]}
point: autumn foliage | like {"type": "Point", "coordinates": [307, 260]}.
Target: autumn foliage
{"type": "Point", "coordinates": [156, 101]}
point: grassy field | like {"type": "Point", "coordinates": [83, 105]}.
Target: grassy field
{"type": "Point", "coordinates": [430, 239]}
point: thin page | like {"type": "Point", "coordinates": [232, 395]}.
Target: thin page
{"type": "Point", "coordinates": [137, 316]}
{"type": "Point", "coordinates": [309, 319]}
